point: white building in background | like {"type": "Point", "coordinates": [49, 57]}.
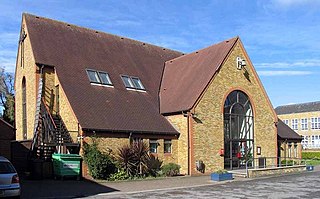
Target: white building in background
{"type": "Point", "coordinates": [304, 119]}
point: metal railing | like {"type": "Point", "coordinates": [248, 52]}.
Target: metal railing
{"type": "Point", "coordinates": [273, 162]}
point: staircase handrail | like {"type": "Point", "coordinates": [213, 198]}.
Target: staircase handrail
{"type": "Point", "coordinates": [48, 112]}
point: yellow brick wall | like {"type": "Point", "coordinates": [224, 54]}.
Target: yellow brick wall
{"type": "Point", "coordinates": [66, 112]}
{"type": "Point", "coordinates": [208, 131]}
{"type": "Point", "coordinates": [300, 116]}
{"type": "Point", "coordinates": [166, 157]}
{"type": "Point", "coordinates": [49, 87]}
{"type": "Point", "coordinates": [29, 71]}
{"type": "Point", "coordinates": [181, 124]}
{"type": "Point", "coordinates": [109, 145]}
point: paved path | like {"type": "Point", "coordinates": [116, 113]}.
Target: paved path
{"type": "Point", "coordinates": [306, 184]}
{"type": "Point", "coordinates": [302, 185]}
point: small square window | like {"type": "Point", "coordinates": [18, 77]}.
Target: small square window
{"type": "Point", "coordinates": [167, 146]}
{"type": "Point", "coordinates": [153, 146]}
{"type": "Point", "coordinates": [93, 76]}
{"type": "Point", "coordinates": [137, 83]}
{"type": "Point", "coordinates": [105, 79]}
{"type": "Point", "coordinates": [127, 81]}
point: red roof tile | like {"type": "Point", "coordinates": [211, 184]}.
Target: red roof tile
{"type": "Point", "coordinates": [186, 77]}
{"type": "Point", "coordinates": [72, 49]}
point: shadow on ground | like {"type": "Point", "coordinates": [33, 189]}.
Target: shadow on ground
{"type": "Point", "coordinates": [68, 188]}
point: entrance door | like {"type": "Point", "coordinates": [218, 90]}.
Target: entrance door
{"type": "Point", "coordinates": [238, 131]}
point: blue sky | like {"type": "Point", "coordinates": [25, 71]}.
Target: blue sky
{"type": "Point", "coordinates": [280, 36]}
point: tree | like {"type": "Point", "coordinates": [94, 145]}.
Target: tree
{"type": "Point", "coordinates": [7, 96]}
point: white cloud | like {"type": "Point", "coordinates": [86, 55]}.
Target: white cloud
{"type": "Point", "coordinates": [284, 73]}
{"type": "Point", "coordinates": [296, 64]}
{"type": "Point", "coordinates": [289, 3]}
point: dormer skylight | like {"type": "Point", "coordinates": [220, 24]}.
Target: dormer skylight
{"type": "Point", "coordinates": [99, 77]}
{"type": "Point", "coordinates": [132, 82]}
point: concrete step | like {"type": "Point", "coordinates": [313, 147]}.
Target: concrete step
{"type": "Point", "coordinates": [241, 174]}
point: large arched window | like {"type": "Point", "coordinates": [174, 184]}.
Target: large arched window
{"type": "Point", "coordinates": [238, 130]}
{"type": "Point", "coordinates": [24, 109]}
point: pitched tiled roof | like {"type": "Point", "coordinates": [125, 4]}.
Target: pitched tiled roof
{"type": "Point", "coordinates": [285, 132]}
{"type": "Point", "coordinates": [186, 77]}
{"type": "Point", "coordinates": [72, 49]}
{"type": "Point", "coordinates": [298, 108]}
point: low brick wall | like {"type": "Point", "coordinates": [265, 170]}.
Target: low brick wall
{"type": "Point", "coordinates": [274, 171]}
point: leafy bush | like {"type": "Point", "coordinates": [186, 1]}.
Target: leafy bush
{"type": "Point", "coordinates": [100, 165]}
{"type": "Point", "coordinates": [221, 171]}
{"type": "Point", "coordinates": [126, 160]}
{"type": "Point", "coordinates": [141, 157]}
{"type": "Point", "coordinates": [120, 175]}
{"type": "Point", "coordinates": [134, 159]}
{"type": "Point", "coordinates": [154, 166]}
{"type": "Point", "coordinates": [311, 155]}
{"type": "Point", "coordinates": [170, 169]}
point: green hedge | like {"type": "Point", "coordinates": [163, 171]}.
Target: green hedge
{"type": "Point", "coordinates": [311, 155]}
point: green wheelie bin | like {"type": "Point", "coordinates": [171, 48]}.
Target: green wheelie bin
{"type": "Point", "coordinates": [66, 165]}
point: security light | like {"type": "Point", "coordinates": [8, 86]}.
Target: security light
{"type": "Point", "coordinates": [240, 63]}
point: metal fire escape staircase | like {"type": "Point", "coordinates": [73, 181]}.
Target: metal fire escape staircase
{"type": "Point", "coordinates": [50, 134]}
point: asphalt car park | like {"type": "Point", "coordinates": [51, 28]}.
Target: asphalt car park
{"type": "Point", "coordinates": [299, 185]}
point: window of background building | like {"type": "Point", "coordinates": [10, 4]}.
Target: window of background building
{"type": "Point", "coordinates": [153, 145]}
{"type": "Point", "coordinates": [286, 122]}
{"type": "Point", "coordinates": [167, 146]}
{"type": "Point", "coordinates": [294, 124]}
{"type": "Point", "coordinates": [304, 124]}
{"type": "Point", "coordinates": [315, 123]}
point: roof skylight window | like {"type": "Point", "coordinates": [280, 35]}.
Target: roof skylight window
{"type": "Point", "coordinates": [93, 76]}
{"type": "Point", "coordinates": [104, 77]}
{"type": "Point", "coordinates": [127, 81]}
{"type": "Point", "coordinates": [132, 82]}
{"type": "Point", "coordinates": [99, 77]}
{"type": "Point", "coordinates": [137, 83]}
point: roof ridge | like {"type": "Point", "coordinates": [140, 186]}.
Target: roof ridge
{"type": "Point", "coordinates": [99, 31]}
{"type": "Point", "coordinates": [203, 49]}
{"type": "Point", "coordinates": [297, 104]}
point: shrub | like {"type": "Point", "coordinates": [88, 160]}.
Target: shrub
{"type": "Point", "coordinates": [154, 166]}
{"type": "Point", "coordinates": [170, 169]}
{"type": "Point", "coordinates": [100, 165]}
{"type": "Point", "coordinates": [134, 158]}
{"type": "Point", "coordinates": [126, 160]}
{"type": "Point", "coordinates": [141, 157]}
{"type": "Point", "coordinates": [120, 175]}
{"type": "Point", "coordinates": [221, 171]}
